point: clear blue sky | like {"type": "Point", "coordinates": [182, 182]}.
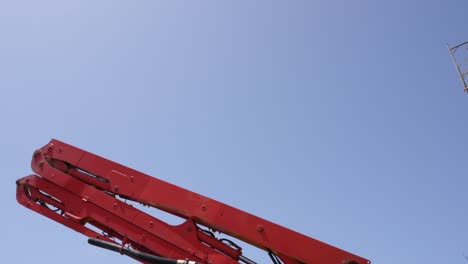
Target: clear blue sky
{"type": "Point", "coordinates": [343, 120]}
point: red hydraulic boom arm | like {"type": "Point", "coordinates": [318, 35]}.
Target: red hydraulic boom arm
{"type": "Point", "coordinates": [88, 193]}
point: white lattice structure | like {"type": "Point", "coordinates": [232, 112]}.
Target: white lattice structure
{"type": "Point", "coordinates": [459, 54]}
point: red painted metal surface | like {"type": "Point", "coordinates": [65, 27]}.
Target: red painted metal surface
{"type": "Point", "coordinates": [77, 189]}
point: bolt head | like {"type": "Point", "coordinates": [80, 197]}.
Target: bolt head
{"type": "Point", "coordinates": [260, 228]}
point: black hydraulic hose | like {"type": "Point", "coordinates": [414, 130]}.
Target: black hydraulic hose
{"type": "Point", "coordinates": [136, 254]}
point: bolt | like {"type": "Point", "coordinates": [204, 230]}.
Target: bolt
{"type": "Point", "coordinates": [203, 207]}
{"type": "Point", "coordinates": [260, 228]}
{"type": "Point", "coordinates": [114, 206]}
{"type": "Point", "coordinates": [116, 188]}
{"type": "Point", "coordinates": [50, 146]}
{"type": "Point", "coordinates": [143, 237]}
{"type": "Point", "coordinates": [132, 178]}
{"type": "Point", "coordinates": [151, 223]}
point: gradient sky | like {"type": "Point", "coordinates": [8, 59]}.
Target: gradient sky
{"type": "Point", "coordinates": [342, 120]}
